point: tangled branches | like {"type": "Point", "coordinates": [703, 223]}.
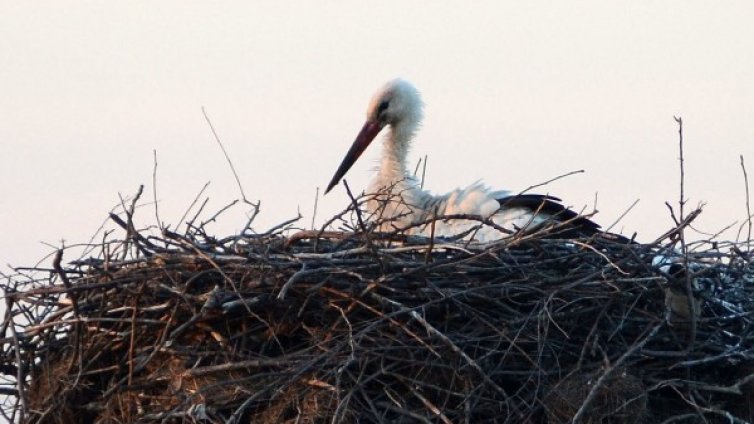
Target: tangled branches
{"type": "Point", "coordinates": [368, 327]}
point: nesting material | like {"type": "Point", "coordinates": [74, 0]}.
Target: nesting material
{"type": "Point", "coordinates": [365, 327]}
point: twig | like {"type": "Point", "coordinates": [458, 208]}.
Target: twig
{"type": "Point", "coordinates": [132, 341]}
{"type": "Point", "coordinates": [675, 232]}
{"type": "Point", "coordinates": [428, 254]}
{"type": "Point", "coordinates": [682, 238]}
{"type": "Point", "coordinates": [282, 225]}
{"type": "Point", "coordinates": [136, 236]}
{"type": "Point", "coordinates": [130, 229]}
{"type": "Point", "coordinates": [193, 202]}
{"type": "Point", "coordinates": [424, 171]}
{"type": "Point", "coordinates": [56, 264]}
{"type": "Point", "coordinates": [213, 218]}
{"type": "Point", "coordinates": [20, 375]}
{"type": "Point", "coordinates": [748, 208]}
{"type": "Point", "coordinates": [154, 191]}
{"type": "Point", "coordinates": [356, 208]}
{"type": "Point", "coordinates": [256, 208]}
{"type": "Point", "coordinates": [622, 215]}
{"type": "Point", "coordinates": [190, 223]}
{"type": "Point", "coordinates": [567, 174]}
{"type": "Point", "coordinates": [682, 199]}
{"type": "Point", "coordinates": [314, 212]}
{"type": "Point", "coordinates": [232, 168]}
{"type": "Point", "coordinates": [362, 225]}
{"type": "Point", "coordinates": [239, 365]}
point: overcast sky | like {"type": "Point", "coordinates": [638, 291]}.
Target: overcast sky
{"type": "Point", "coordinates": [516, 93]}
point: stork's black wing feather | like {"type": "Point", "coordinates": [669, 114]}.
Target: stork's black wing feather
{"type": "Point", "coordinates": [550, 205]}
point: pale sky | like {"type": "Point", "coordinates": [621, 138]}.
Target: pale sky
{"type": "Point", "coordinates": [516, 93]}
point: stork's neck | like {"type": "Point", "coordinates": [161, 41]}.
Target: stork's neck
{"type": "Point", "coordinates": [393, 168]}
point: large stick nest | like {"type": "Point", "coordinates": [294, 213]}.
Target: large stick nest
{"type": "Point", "coordinates": [366, 327]}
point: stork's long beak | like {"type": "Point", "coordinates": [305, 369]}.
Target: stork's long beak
{"type": "Point", "coordinates": [366, 135]}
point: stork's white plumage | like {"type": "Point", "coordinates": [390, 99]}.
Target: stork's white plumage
{"type": "Point", "coordinates": [400, 202]}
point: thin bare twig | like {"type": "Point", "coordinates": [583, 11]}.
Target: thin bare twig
{"type": "Point", "coordinates": [567, 174]}
{"type": "Point", "coordinates": [154, 191]}
{"type": "Point", "coordinates": [314, 212]}
{"type": "Point", "coordinates": [748, 208]}
{"type": "Point", "coordinates": [682, 198]}
{"type": "Point", "coordinates": [193, 203]}
{"type": "Point", "coordinates": [232, 168]}
{"type": "Point", "coordinates": [424, 171]}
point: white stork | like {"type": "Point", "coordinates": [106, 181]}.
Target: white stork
{"type": "Point", "coordinates": [399, 201]}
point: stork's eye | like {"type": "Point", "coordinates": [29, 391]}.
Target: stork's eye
{"type": "Point", "coordinates": [383, 107]}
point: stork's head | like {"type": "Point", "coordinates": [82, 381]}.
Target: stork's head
{"type": "Point", "coordinates": [398, 105]}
